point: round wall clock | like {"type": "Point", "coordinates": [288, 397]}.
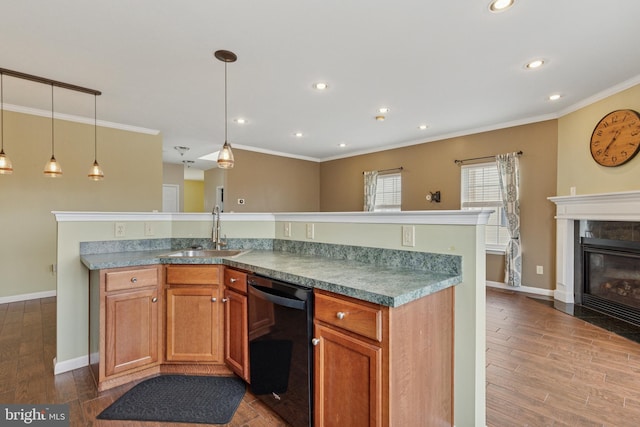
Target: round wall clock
{"type": "Point", "coordinates": [616, 138]}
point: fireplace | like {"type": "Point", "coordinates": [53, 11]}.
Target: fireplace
{"type": "Point", "coordinates": [610, 279]}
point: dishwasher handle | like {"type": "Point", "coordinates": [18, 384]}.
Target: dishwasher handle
{"type": "Point", "coordinates": [266, 294]}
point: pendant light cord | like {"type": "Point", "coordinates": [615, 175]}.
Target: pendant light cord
{"type": "Point", "coordinates": [95, 128]}
{"type": "Point", "coordinates": [225, 102]}
{"type": "Point", "coordinates": [52, 125]}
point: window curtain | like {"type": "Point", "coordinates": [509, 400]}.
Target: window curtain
{"type": "Point", "coordinates": [370, 183]}
{"type": "Point", "coordinates": [509, 177]}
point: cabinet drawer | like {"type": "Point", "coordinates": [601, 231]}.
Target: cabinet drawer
{"type": "Point", "coordinates": [193, 275]}
{"type": "Point", "coordinates": [235, 279]}
{"type": "Point", "coordinates": [356, 317]}
{"type": "Point", "coordinates": [133, 278]}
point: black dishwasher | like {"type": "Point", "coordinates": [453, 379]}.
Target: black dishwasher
{"type": "Point", "coordinates": [280, 349]}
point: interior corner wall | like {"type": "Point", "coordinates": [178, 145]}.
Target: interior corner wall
{"type": "Point", "coordinates": [430, 167]}
{"type": "Point", "coordinates": [576, 167]}
{"type": "Point", "coordinates": [133, 176]}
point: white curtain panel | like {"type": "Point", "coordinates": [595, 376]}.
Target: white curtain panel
{"type": "Point", "coordinates": [370, 183]}
{"type": "Point", "coordinates": [509, 174]}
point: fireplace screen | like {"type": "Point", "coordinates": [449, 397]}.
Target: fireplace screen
{"type": "Point", "coordinates": [612, 277]}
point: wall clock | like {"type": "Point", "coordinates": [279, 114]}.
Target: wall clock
{"type": "Point", "coordinates": [616, 138]}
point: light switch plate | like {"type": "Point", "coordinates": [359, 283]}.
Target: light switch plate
{"type": "Point", "coordinates": [408, 235]}
{"type": "Point", "coordinates": [148, 229]}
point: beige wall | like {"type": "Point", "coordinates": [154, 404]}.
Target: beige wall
{"type": "Point", "coordinates": [430, 167]}
{"type": "Point", "coordinates": [576, 166]}
{"type": "Point", "coordinates": [213, 178]}
{"type": "Point", "coordinates": [132, 164]}
{"type": "Point", "coordinates": [193, 196]}
{"type": "Point", "coordinates": [271, 183]}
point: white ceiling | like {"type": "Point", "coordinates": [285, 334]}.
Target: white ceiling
{"type": "Point", "coordinates": [451, 64]}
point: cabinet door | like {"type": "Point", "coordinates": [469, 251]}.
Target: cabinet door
{"type": "Point", "coordinates": [132, 321]}
{"type": "Point", "coordinates": [236, 333]}
{"type": "Point", "coordinates": [193, 328]}
{"type": "Point", "coordinates": [348, 380]}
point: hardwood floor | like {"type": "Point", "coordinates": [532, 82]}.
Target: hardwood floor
{"type": "Point", "coordinates": [27, 349]}
{"type": "Point", "coordinates": [544, 368]}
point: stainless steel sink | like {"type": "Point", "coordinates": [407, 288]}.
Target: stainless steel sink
{"type": "Point", "coordinates": [204, 253]}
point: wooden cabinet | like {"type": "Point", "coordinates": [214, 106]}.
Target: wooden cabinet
{"type": "Point", "coordinates": [381, 366]}
{"type": "Point", "coordinates": [236, 335]}
{"type": "Point", "coordinates": [194, 315]}
{"type": "Point", "coordinates": [125, 322]}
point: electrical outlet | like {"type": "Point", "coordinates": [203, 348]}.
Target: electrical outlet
{"type": "Point", "coordinates": [148, 229]}
{"type": "Point", "coordinates": [408, 235]}
{"type": "Point", "coordinates": [539, 269]}
{"type": "Point", "coordinates": [287, 229]}
{"type": "Point", "coordinates": [310, 231]}
{"type": "Point", "coordinates": [120, 229]}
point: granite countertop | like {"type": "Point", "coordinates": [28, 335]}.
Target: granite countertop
{"type": "Point", "coordinates": [389, 286]}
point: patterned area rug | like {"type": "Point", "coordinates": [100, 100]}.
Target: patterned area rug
{"type": "Point", "coordinates": [181, 399]}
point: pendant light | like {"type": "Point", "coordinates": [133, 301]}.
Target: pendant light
{"type": "Point", "coordinates": [52, 168]}
{"type": "Point", "coordinates": [225, 157]}
{"type": "Point", "coordinates": [95, 173]}
{"type": "Point", "coordinates": [6, 168]}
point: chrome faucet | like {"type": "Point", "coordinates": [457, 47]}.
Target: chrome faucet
{"type": "Point", "coordinates": [215, 232]}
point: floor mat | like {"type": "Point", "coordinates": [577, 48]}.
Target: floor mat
{"type": "Point", "coordinates": [179, 398]}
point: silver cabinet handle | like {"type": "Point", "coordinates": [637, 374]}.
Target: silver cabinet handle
{"type": "Point", "coordinates": [214, 299]}
{"type": "Point", "coordinates": [233, 280]}
{"type": "Point", "coordinates": [315, 341]}
{"type": "Point", "coordinates": [340, 315]}
{"type": "Point", "coordinates": [134, 280]}
{"type": "Point", "coordinates": [154, 299]}
{"type": "Point", "coordinates": [226, 299]}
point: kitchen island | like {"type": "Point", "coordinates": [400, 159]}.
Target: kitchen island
{"type": "Point", "coordinates": [457, 233]}
{"type": "Point", "coordinates": [382, 330]}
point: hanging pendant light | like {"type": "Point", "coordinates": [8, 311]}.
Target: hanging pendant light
{"type": "Point", "coordinates": [6, 168]}
{"type": "Point", "coordinates": [52, 168]}
{"type": "Point", "coordinates": [95, 173]}
{"type": "Point", "coordinates": [225, 157]}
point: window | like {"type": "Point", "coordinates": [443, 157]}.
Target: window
{"type": "Point", "coordinates": [388, 193]}
{"type": "Point", "coordinates": [481, 190]}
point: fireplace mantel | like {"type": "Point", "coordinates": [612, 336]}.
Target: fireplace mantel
{"type": "Point", "coordinates": [620, 206]}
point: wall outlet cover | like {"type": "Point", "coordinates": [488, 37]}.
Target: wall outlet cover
{"type": "Point", "coordinates": [310, 231]}
{"type": "Point", "coordinates": [287, 229]}
{"type": "Point", "coordinates": [120, 229]}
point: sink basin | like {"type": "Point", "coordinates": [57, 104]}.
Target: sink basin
{"type": "Point", "coordinates": [204, 253]}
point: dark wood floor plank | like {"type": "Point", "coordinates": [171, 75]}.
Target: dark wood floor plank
{"type": "Point", "coordinates": [544, 368]}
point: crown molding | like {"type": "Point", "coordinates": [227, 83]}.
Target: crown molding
{"type": "Point", "coordinates": [78, 119]}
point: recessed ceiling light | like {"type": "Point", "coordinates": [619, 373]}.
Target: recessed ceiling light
{"type": "Point", "coordinates": [555, 97]}
{"type": "Point", "coordinates": [342, 145]}
{"type": "Point", "coordinates": [240, 121]}
{"type": "Point", "coordinates": [423, 127]}
{"type": "Point", "coordinates": [500, 5]}
{"type": "Point", "coordinates": [298, 134]}
{"type": "Point", "coordinates": [380, 118]}
{"type": "Point", "coordinates": [384, 110]}
{"type": "Point", "coordinates": [537, 63]}
{"type": "Point", "coordinates": [320, 86]}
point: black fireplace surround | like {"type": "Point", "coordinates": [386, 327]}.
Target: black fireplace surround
{"type": "Point", "coordinates": [611, 277]}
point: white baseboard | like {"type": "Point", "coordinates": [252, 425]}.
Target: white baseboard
{"type": "Point", "coordinates": [524, 289]}
{"type": "Point", "coordinates": [69, 365]}
{"type": "Point", "coordinates": [26, 297]}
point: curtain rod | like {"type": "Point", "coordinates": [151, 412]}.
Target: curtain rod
{"type": "Point", "coordinates": [459, 162]}
{"type": "Point", "coordinates": [388, 170]}
{"type": "Point", "coordinates": [46, 81]}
